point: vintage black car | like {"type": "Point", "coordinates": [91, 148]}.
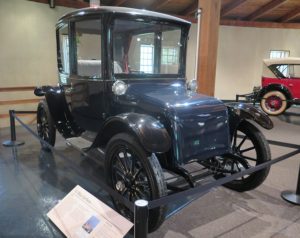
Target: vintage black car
{"type": "Point", "coordinates": [122, 89]}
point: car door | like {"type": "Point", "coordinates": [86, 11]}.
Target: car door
{"type": "Point", "coordinates": [86, 94]}
{"type": "Point", "coordinates": [293, 81]}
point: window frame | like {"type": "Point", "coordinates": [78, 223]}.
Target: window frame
{"type": "Point", "coordinates": [182, 53]}
{"type": "Point", "coordinates": [59, 50]}
{"type": "Point", "coordinates": [61, 70]}
{"type": "Point", "coordinates": [73, 48]}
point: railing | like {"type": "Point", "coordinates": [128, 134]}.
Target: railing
{"type": "Point", "coordinates": [141, 207]}
{"type": "Point", "coordinates": [18, 101]}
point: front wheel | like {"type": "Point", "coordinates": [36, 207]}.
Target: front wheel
{"type": "Point", "coordinates": [250, 148]}
{"type": "Point", "coordinates": [135, 174]}
{"type": "Point", "coordinates": [274, 103]}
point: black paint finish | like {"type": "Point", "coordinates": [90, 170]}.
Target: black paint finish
{"type": "Point", "coordinates": [156, 108]}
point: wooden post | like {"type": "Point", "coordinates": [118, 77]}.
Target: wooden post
{"type": "Point", "coordinates": [208, 45]}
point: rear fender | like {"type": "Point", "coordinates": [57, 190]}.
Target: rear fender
{"type": "Point", "coordinates": [240, 111]}
{"type": "Point", "coordinates": [55, 98]}
{"type": "Point", "coordinates": [150, 132]}
{"type": "Point", "coordinates": [275, 87]}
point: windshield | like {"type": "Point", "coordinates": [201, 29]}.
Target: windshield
{"type": "Point", "coordinates": [146, 48]}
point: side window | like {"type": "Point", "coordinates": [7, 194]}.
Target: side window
{"type": "Point", "coordinates": [295, 71]}
{"type": "Point", "coordinates": [88, 48]}
{"type": "Point", "coordinates": [284, 69]}
{"type": "Point", "coordinates": [63, 53]}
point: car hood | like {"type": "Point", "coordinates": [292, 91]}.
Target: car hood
{"type": "Point", "coordinates": [198, 123]}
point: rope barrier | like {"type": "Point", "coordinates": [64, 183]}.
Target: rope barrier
{"type": "Point", "coordinates": [142, 211]}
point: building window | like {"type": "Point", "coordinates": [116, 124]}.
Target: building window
{"type": "Point", "coordinates": [284, 69]}
{"type": "Point", "coordinates": [279, 54]}
{"type": "Point", "coordinates": [169, 55]}
{"type": "Point", "coordinates": [147, 56]}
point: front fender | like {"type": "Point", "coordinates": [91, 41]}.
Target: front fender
{"type": "Point", "coordinates": [150, 132]}
{"type": "Point", "coordinates": [241, 111]}
{"type": "Point", "coordinates": [41, 91]}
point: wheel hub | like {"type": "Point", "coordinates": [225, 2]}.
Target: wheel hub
{"type": "Point", "coordinates": [128, 181]}
{"type": "Point", "coordinates": [274, 102]}
{"type": "Point", "coordinates": [120, 186]}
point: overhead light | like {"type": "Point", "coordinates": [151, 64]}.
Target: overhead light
{"type": "Point", "coordinates": [52, 3]}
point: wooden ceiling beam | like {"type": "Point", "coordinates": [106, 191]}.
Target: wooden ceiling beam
{"type": "Point", "coordinates": [191, 9]}
{"type": "Point", "coordinates": [120, 2]}
{"type": "Point", "coordinates": [231, 6]}
{"type": "Point", "coordinates": [265, 9]}
{"type": "Point", "coordinates": [290, 15]}
{"type": "Point", "coordinates": [257, 24]}
{"type": "Point", "coordinates": [159, 4]}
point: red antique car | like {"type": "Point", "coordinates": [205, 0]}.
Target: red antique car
{"type": "Point", "coordinates": [280, 85]}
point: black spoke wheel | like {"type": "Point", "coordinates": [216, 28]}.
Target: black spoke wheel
{"type": "Point", "coordinates": [45, 125]}
{"type": "Point", "coordinates": [250, 148]}
{"type": "Point", "coordinates": [135, 174]}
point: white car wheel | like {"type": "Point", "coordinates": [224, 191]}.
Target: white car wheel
{"type": "Point", "coordinates": [274, 103]}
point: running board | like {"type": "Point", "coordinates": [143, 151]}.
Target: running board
{"type": "Point", "coordinates": [79, 143]}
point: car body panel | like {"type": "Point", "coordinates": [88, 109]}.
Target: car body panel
{"type": "Point", "coordinates": [292, 85]}
{"type": "Point", "coordinates": [198, 123]}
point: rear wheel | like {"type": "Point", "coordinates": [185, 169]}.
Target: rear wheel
{"type": "Point", "coordinates": [135, 175]}
{"type": "Point", "coordinates": [45, 125]}
{"type": "Point", "coordinates": [274, 103]}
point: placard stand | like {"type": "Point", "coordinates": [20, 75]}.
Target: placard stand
{"type": "Point", "coordinates": [291, 196]}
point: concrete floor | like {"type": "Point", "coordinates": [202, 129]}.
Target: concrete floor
{"type": "Point", "coordinates": [31, 182]}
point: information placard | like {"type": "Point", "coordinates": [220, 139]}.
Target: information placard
{"type": "Point", "coordinates": [81, 215]}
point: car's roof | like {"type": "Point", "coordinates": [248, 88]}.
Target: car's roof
{"type": "Point", "coordinates": [123, 10]}
{"type": "Point", "coordinates": [278, 61]}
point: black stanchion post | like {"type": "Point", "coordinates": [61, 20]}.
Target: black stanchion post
{"type": "Point", "coordinates": [12, 125]}
{"type": "Point", "coordinates": [292, 197]}
{"type": "Point", "coordinates": [13, 139]}
{"type": "Point", "coordinates": [141, 213]}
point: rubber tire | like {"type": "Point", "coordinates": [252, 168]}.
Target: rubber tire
{"type": "Point", "coordinates": [263, 155]}
{"type": "Point", "coordinates": [278, 94]}
{"type": "Point", "coordinates": [153, 170]}
{"type": "Point", "coordinates": [43, 106]}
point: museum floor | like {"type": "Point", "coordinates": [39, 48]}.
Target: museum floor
{"type": "Point", "coordinates": [32, 181]}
